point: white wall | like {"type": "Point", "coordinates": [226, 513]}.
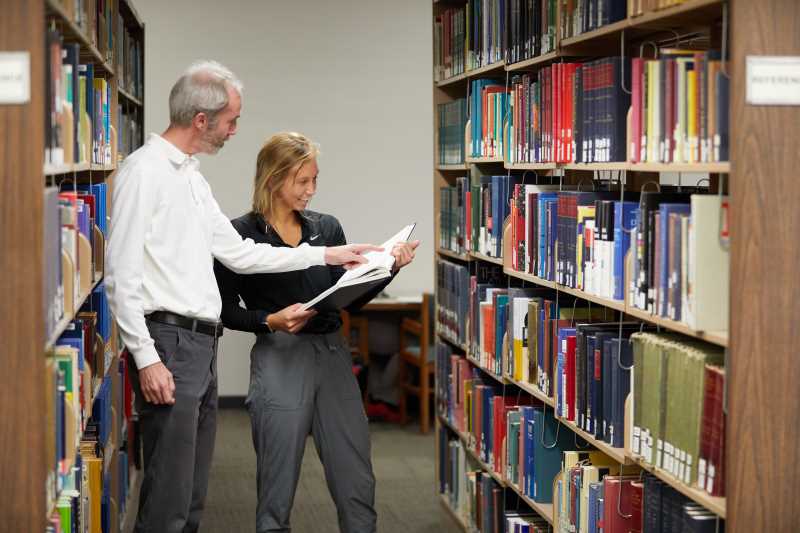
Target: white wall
{"type": "Point", "coordinates": [354, 75]}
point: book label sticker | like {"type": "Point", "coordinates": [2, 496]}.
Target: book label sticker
{"type": "Point", "coordinates": [773, 80]}
{"type": "Point", "coordinates": [15, 77]}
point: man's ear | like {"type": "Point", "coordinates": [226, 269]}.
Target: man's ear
{"type": "Point", "coordinates": [200, 121]}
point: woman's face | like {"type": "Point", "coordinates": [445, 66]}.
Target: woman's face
{"type": "Point", "coordinates": [297, 192]}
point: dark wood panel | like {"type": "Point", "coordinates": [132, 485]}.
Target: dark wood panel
{"type": "Point", "coordinates": [22, 455]}
{"type": "Point", "coordinates": [22, 471]}
{"type": "Point", "coordinates": [764, 376]}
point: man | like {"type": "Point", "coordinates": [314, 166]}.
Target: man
{"type": "Point", "coordinates": [165, 233]}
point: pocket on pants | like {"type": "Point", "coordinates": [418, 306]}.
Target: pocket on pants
{"type": "Point", "coordinates": [280, 378]}
{"type": "Point", "coordinates": [166, 340]}
{"type": "Point", "coordinates": [348, 384]}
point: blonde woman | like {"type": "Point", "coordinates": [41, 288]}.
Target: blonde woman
{"type": "Point", "coordinates": [301, 377]}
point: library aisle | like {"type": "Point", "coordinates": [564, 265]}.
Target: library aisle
{"type": "Point", "coordinates": [405, 498]}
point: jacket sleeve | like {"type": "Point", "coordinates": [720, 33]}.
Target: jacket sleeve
{"type": "Point", "coordinates": [234, 316]}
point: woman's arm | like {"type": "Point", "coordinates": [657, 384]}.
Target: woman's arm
{"type": "Point", "coordinates": [233, 315]}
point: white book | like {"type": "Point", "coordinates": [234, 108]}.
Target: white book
{"type": "Point", "coordinates": [709, 265]}
{"type": "Point", "coordinates": [358, 281]}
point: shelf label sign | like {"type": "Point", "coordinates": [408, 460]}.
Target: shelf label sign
{"type": "Point", "coordinates": [15, 77]}
{"type": "Point", "coordinates": [773, 80]}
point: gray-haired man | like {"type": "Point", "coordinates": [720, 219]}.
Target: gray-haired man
{"type": "Point", "coordinates": [166, 231]}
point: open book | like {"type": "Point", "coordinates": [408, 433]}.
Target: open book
{"type": "Point", "coordinates": [360, 280]}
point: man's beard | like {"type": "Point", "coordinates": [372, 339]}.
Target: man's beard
{"type": "Point", "coordinates": [212, 144]}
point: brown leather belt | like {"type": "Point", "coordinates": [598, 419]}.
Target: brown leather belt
{"type": "Point", "coordinates": [192, 324]}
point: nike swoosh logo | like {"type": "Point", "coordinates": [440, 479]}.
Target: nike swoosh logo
{"type": "Point", "coordinates": [313, 237]}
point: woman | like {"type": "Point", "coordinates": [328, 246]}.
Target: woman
{"type": "Point", "coordinates": [301, 377]}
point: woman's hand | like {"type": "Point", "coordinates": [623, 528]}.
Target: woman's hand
{"type": "Point", "coordinates": [403, 253]}
{"type": "Point", "coordinates": [290, 319]}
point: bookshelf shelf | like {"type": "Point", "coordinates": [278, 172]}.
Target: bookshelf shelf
{"type": "Point", "coordinates": [719, 338]}
{"type": "Point", "coordinates": [618, 454]}
{"type": "Point", "coordinates": [102, 168]}
{"type": "Point", "coordinates": [488, 259]}
{"type": "Point", "coordinates": [68, 317]}
{"type": "Point", "coordinates": [453, 514]}
{"type": "Point", "coordinates": [712, 168]}
{"type": "Point", "coordinates": [615, 165]}
{"type": "Point", "coordinates": [453, 255]}
{"type": "Point", "coordinates": [484, 160]}
{"type": "Point", "coordinates": [531, 389]}
{"type": "Point", "coordinates": [538, 61]}
{"type": "Point", "coordinates": [500, 379]}
{"type": "Point", "coordinates": [545, 510]}
{"type": "Point", "coordinates": [529, 277]}
{"type": "Point", "coordinates": [73, 33]}
{"type": "Point", "coordinates": [715, 504]}
{"type": "Point", "coordinates": [494, 68]}
{"type": "Point", "coordinates": [451, 342]}
{"type": "Point", "coordinates": [605, 33]}
{"type": "Point", "coordinates": [589, 297]}
{"type": "Point", "coordinates": [69, 168]}
{"type": "Point", "coordinates": [129, 97]}
{"type": "Point", "coordinates": [132, 13]}
{"type": "Point", "coordinates": [530, 166]}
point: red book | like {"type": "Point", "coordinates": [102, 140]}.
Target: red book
{"type": "Point", "coordinates": [468, 243]}
{"type": "Point", "coordinates": [570, 371]}
{"type": "Point", "coordinates": [717, 463]}
{"type": "Point", "coordinates": [619, 513]}
{"type": "Point", "coordinates": [669, 111]}
{"type": "Point", "coordinates": [706, 423]}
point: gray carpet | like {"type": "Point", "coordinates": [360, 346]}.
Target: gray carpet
{"type": "Point", "coordinates": [403, 460]}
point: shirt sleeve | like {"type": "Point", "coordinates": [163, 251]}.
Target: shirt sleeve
{"type": "Point", "coordinates": [134, 204]}
{"type": "Point", "coordinates": [234, 316]}
{"type": "Point", "coordinates": [337, 271]}
{"type": "Point", "coordinates": [246, 257]}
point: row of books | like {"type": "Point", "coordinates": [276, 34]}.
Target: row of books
{"type": "Point", "coordinates": [581, 16]}
{"type": "Point", "coordinates": [507, 431]}
{"type": "Point", "coordinates": [640, 7]}
{"type": "Point", "coordinates": [94, 18]}
{"type": "Point", "coordinates": [679, 420]}
{"type": "Point", "coordinates": [531, 29]}
{"type": "Point", "coordinates": [77, 117]}
{"type": "Point", "coordinates": [676, 239]}
{"type": "Point", "coordinates": [71, 214]}
{"type": "Point", "coordinates": [679, 111]}
{"type": "Point", "coordinates": [452, 124]}
{"type": "Point", "coordinates": [86, 499]}
{"type": "Point", "coordinates": [453, 290]}
{"type": "Point", "coordinates": [476, 497]}
{"type": "Point", "coordinates": [578, 112]}
{"type": "Point", "coordinates": [130, 60]}
{"type": "Point", "coordinates": [569, 113]}
{"type": "Point", "coordinates": [130, 130]}
{"type": "Point", "coordinates": [592, 495]}
{"type": "Point", "coordinates": [450, 40]}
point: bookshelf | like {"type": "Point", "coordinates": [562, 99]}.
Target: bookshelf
{"type": "Point", "coordinates": [758, 180]}
{"type": "Point", "coordinates": [31, 26]}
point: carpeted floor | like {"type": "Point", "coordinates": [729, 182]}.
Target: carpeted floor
{"type": "Point", "coordinates": [403, 460]}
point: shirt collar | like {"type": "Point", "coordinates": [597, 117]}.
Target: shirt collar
{"type": "Point", "coordinates": [173, 153]}
{"type": "Point", "coordinates": [307, 223]}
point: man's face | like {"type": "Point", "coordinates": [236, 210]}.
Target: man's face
{"type": "Point", "coordinates": [215, 135]}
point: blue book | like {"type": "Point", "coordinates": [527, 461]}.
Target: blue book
{"type": "Point", "coordinates": [500, 321]}
{"type": "Point", "coordinates": [486, 425]}
{"type": "Point", "coordinates": [621, 361]}
{"type": "Point", "coordinates": [624, 220]}
{"type": "Point", "coordinates": [593, 501]}
{"type": "Point", "coordinates": [543, 199]}
{"type": "Point", "coordinates": [526, 413]}
{"type": "Point", "coordinates": [548, 446]}
{"type": "Point", "coordinates": [563, 334]}
{"type": "Point", "coordinates": [552, 216]}
{"type": "Point", "coordinates": [596, 384]}
{"type": "Point", "coordinates": [607, 372]}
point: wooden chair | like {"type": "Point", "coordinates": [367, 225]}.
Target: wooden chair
{"type": "Point", "coordinates": [359, 343]}
{"type": "Point", "coordinates": [416, 350]}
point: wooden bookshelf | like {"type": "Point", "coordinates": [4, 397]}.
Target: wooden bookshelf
{"type": "Point", "coordinates": [128, 96]}
{"type": "Point", "coordinates": [484, 160]}
{"type": "Point", "coordinates": [24, 175]}
{"type": "Point", "coordinates": [453, 514]}
{"type": "Point", "coordinates": [488, 259]}
{"type": "Point", "coordinates": [618, 454]}
{"type": "Point", "coordinates": [453, 255]}
{"type": "Point", "coordinates": [764, 288]}
{"type": "Point", "coordinates": [545, 510]}
{"type": "Point", "coordinates": [534, 62]}
{"type": "Point", "coordinates": [531, 389]}
{"type": "Point", "coordinates": [714, 504]}
{"type": "Point", "coordinates": [451, 342]}
{"type": "Point", "coordinates": [495, 68]}
{"type": "Point", "coordinates": [474, 362]}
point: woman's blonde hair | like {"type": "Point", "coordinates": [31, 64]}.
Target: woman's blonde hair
{"type": "Point", "coordinates": [279, 159]}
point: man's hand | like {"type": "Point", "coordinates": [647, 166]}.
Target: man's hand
{"type": "Point", "coordinates": [403, 253]}
{"type": "Point", "coordinates": [157, 384]}
{"type": "Point", "coordinates": [290, 319]}
{"type": "Point", "coordinates": [349, 255]}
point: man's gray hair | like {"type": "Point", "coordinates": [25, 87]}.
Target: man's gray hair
{"type": "Point", "coordinates": [201, 89]}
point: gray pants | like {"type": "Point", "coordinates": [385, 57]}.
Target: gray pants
{"type": "Point", "coordinates": [178, 439]}
{"type": "Point", "coordinates": [301, 384]}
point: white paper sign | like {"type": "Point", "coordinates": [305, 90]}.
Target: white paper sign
{"type": "Point", "coordinates": [15, 77]}
{"type": "Point", "coordinates": [773, 80]}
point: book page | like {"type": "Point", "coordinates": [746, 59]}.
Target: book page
{"type": "Point", "coordinates": [379, 260]}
